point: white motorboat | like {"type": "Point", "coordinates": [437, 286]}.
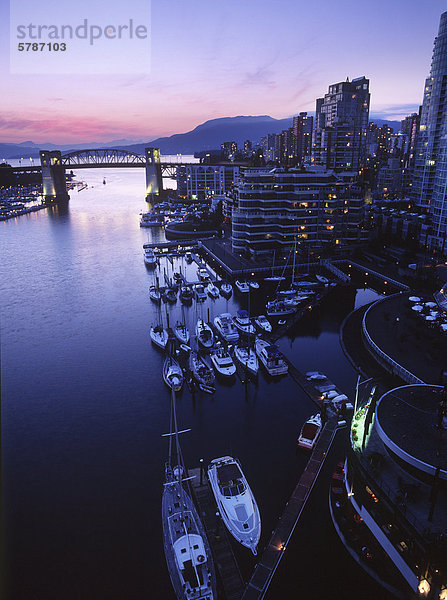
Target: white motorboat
{"type": "Point", "coordinates": [203, 274]}
{"type": "Point", "coordinates": [150, 260]}
{"type": "Point", "coordinates": [248, 359]}
{"type": "Point", "coordinates": [172, 374]}
{"type": "Point", "coordinates": [310, 431]}
{"type": "Point", "coordinates": [235, 500]}
{"type": "Point", "coordinates": [253, 284]}
{"type": "Point", "coordinates": [222, 362]}
{"type": "Point", "coordinates": [155, 294]}
{"type": "Point", "coordinates": [181, 332]}
{"type": "Point", "coordinates": [200, 370]}
{"type": "Point", "coordinates": [243, 323]}
{"type": "Point", "coordinates": [278, 308]}
{"type": "Point", "coordinates": [225, 326]}
{"type": "Point", "coordinates": [199, 292]}
{"type": "Point", "coordinates": [159, 336]}
{"type": "Point", "coordinates": [212, 290]}
{"type": "Point", "coordinates": [315, 376]}
{"type": "Point", "coordinates": [263, 323]}
{"type": "Point", "coordinates": [226, 289]}
{"type": "Point", "coordinates": [186, 293]}
{"type": "Point", "coordinates": [242, 286]}
{"type": "Point", "coordinates": [271, 357]}
{"type": "Point", "coordinates": [204, 334]}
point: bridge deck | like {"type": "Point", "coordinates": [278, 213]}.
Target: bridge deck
{"type": "Point", "coordinates": [224, 559]}
{"type": "Point", "coordinates": [274, 551]}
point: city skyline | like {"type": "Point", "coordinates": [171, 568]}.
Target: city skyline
{"type": "Point", "coordinates": [228, 61]}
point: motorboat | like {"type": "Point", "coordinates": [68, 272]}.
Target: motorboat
{"type": "Point", "coordinates": [271, 357]}
{"type": "Point", "coordinates": [200, 370]}
{"type": "Point", "coordinates": [226, 328]}
{"type": "Point", "coordinates": [315, 376]}
{"type": "Point", "coordinates": [253, 284]}
{"type": "Point", "coordinates": [278, 308]}
{"type": "Point", "coordinates": [222, 362]}
{"type": "Point", "coordinates": [263, 323]}
{"type": "Point", "coordinates": [248, 359]}
{"type": "Point", "coordinates": [310, 431]}
{"type": "Point", "coordinates": [155, 294]}
{"type": "Point", "coordinates": [243, 323]}
{"type": "Point", "coordinates": [242, 286]}
{"type": "Point", "coordinates": [235, 500]}
{"type": "Point", "coordinates": [187, 550]}
{"type": "Point", "coordinates": [150, 260]}
{"type": "Point", "coordinates": [226, 289]}
{"type": "Point", "coordinates": [186, 294]}
{"type": "Point", "coordinates": [199, 292]}
{"type": "Point", "coordinates": [212, 290]}
{"type": "Point", "coordinates": [181, 332]}
{"type": "Point", "coordinates": [204, 334]}
{"type": "Point", "coordinates": [172, 374]}
{"type": "Point", "coordinates": [188, 257]}
{"type": "Point", "coordinates": [178, 277]}
{"type": "Point", "coordinates": [159, 336]}
{"type": "Point", "coordinates": [203, 274]}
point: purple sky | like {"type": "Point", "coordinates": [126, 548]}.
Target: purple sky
{"type": "Point", "coordinates": [213, 59]}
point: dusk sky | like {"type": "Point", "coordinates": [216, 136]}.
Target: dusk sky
{"type": "Point", "coordinates": [232, 58]}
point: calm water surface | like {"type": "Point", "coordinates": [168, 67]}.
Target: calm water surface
{"type": "Point", "coordinates": [84, 407]}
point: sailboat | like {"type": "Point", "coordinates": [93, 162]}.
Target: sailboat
{"type": "Point", "coordinates": [181, 332]}
{"type": "Point", "coordinates": [159, 335]}
{"type": "Point", "coordinates": [172, 374]}
{"type": "Point", "coordinates": [274, 278]}
{"type": "Point", "coordinates": [187, 550]}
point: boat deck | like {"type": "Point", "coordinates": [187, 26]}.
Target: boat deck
{"type": "Point", "coordinates": [273, 552]}
{"type": "Point", "coordinates": [224, 559]}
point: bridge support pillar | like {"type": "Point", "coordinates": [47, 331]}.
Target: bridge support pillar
{"type": "Point", "coordinates": [53, 177]}
{"type": "Point", "coordinates": [154, 181]}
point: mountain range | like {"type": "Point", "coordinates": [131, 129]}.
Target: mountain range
{"type": "Point", "coordinates": [207, 136]}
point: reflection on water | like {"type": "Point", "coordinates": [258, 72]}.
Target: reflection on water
{"type": "Point", "coordinates": [85, 405]}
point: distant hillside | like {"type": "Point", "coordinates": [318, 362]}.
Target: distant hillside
{"type": "Point", "coordinates": [211, 134]}
{"type": "Point", "coordinates": [207, 136]}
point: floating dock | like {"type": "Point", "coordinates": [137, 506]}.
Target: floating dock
{"type": "Point", "coordinates": [224, 559]}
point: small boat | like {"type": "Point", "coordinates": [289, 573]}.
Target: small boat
{"type": "Point", "coordinates": [277, 308]}
{"type": "Point", "coordinates": [212, 290]}
{"type": "Point", "coordinates": [170, 295]}
{"type": "Point", "coordinates": [186, 294]}
{"type": "Point", "coordinates": [201, 371]}
{"type": "Point", "coordinates": [199, 292]}
{"type": "Point", "coordinates": [181, 332]}
{"type": "Point", "coordinates": [271, 357]}
{"type": "Point", "coordinates": [315, 376]}
{"type": "Point", "coordinates": [235, 500]}
{"type": "Point", "coordinates": [150, 260]}
{"type": "Point", "coordinates": [254, 285]}
{"type": "Point", "coordinates": [203, 274]}
{"type": "Point", "coordinates": [155, 294]}
{"type": "Point", "coordinates": [282, 322]}
{"type": "Point", "coordinates": [178, 277]}
{"type": "Point", "coordinates": [188, 257]}
{"type": "Point", "coordinates": [208, 389]}
{"type": "Point", "coordinates": [242, 286]}
{"type": "Point", "coordinates": [274, 278]}
{"type": "Point", "coordinates": [172, 374]}
{"type": "Point", "coordinates": [222, 362]}
{"type": "Point", "coordinates": [226, 289]}
{"type": "Point", "coordinates": [243, 323]}
{"type": "Point", "coordinates": [248, 359]}
{"type": "Point", "coordinates": [309, 432]}
{"type": "Point", "coordinates": [305, 284]}
{"type": "Point", "coordinates": [226, 328]}
{"type": "Point", "coordinates": [150, 220]}
{"type": "Point", "coordinates": [159, 336]}
{"type": "Point", "coordinates": [263, 323]}
{"type": "Point", "coordinates": [204, 334]}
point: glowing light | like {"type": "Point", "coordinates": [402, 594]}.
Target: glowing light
{"type": "Point", "coordinates": [424, 587]}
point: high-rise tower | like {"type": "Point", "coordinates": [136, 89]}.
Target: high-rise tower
{"type": "Point", "coordinates": [430, 172]}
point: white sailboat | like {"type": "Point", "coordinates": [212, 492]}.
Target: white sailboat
{"type": "Point", "coordinates": [204, 334]}
{"type": "Point", "coordinates": [235, 500]}
{"type": "Point", "coordinates": [202, 373]}
{"type": "Point", "coordinates": [212, 290]}
{"type": "Point", "coordinates": [242, 286]}
{"type": "Point", "coordinates": [226, 289]}
{"type": "Point", "coordinates": [172, 374]}
{"type": "Point", "coordinates": [181, 332]}
{"type": "Point", "coordinates": [248, 359]}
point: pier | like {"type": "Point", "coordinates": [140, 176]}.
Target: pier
{"type": "Point", "coordinates": [224, 558]}
{"type": "Point", "coordinates": [266, 567]}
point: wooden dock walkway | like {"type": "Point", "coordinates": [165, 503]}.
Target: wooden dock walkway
{"type": "Point", "coordinates": [274, 551]}
{"type": "Point", "coordinates": [224, 559]}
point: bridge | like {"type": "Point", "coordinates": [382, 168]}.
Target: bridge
{"type": "Point", "coordinates": [53, 166]}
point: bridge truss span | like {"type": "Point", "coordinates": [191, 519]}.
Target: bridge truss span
{"type": "Point", "coordinates": [107, 157]}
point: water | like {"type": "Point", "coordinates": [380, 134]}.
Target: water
{"type": "Point", "coordinates": [84, 407]}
